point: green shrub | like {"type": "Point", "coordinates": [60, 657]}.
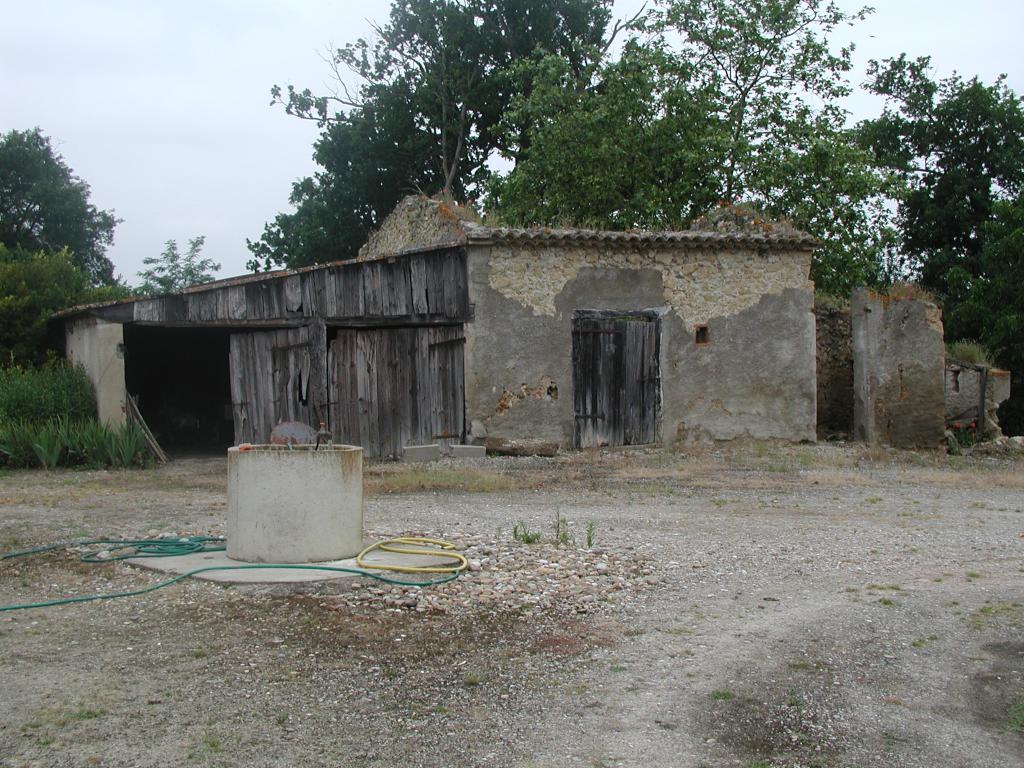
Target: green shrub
{"type": "Point", "coordinates": [53, 391]}
{"type": "Point", "coordinates": [129, 447]}
{"type": "Point", "coordinates": [59, 442]}
{"type": "Point", "coordinates": [88, 443]}
{"type": "Point", "coordinates": [49, 444]}
{"type": "Point", "coordinates": [968, 352]}
{"type": "Point", "coordinates": [16, 441]}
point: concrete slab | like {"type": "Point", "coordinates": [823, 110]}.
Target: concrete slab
{"type": "Point", "coordinates": [186, 563]}
{"type": "Point", "coordinates": [468, 452]}
{"type": "Point", "coordinates": [418, 453]}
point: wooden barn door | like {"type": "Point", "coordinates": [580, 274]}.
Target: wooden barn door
{"type": "Point", "coordinates": [616, 378]}
{"type": "Point", "coordinates": [277, 376]}
{"type": "Point", "coordinates": [392, 387]}
{"type": "Point", "coordinates": [445, 390]}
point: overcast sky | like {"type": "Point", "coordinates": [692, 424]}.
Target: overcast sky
{"type": "Point", "coordinates": [163, 107]}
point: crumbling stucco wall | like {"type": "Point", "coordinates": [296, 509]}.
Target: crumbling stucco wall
{"type": "Point", "coordinates": [963, 392]}
{"type": "Point", "coordinates": [698, 284]}
{"type": "Point", "coordinates": [98, 346]}
{"type": "Point", "coordinates": [898, 371]}
{"type": "Point", "coordinates": [835, 371]}
{"type": "Point", "coordinates": [755, 377]}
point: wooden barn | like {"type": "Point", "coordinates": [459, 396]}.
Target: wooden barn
{"type": "Point", "coordinates": [372, 348]}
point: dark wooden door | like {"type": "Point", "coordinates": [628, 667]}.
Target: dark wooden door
{"type": "Point", "coordinates": [616, 378]}
{"type": "Point", "coordinates": [397, 386]}
{"type": "Point", "coordinates": [276, 376]}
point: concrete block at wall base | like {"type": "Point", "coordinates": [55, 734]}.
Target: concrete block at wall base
{"type": "Point", "coordinates": [416, 453]}
{"type": "Point", "coordinates": [468, 451]}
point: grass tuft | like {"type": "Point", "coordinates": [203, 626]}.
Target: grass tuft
{"type": "Point", "coordinates": [560, 531]}
{"type": "Point", "coordinates": [522, 534]}
{"type": "Point", "coordinates": [1015, 722]}
{"type": "Point", "coordinates": [968, 352]}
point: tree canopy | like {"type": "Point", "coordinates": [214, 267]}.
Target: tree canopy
{"type": "Point", "coordinates": [615, 149]}
{"type": "Point", "coordinates": [174, 271]}
{"type": "Point", "coordinates": [713, 100]}
{"type": "Point", "coordinates": [433, 86]}
{"type": "Point", "coordinates": [959, 146]}
{"type": "Point", "coordinates": [34, 285]}
{"type": "Point", "coordinates": [44, 206]}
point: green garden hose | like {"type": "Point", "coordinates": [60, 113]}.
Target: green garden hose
{"type": "Point", "coordinates": [122, 549]}
{"type": "Point", "coordinates": [165, 547]}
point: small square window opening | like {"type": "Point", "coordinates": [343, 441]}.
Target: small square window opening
{"type": "Point", "coordinates": [702, 336]}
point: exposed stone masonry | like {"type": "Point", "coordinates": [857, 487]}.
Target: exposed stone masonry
{"type": "Point", "coordinates": [835, 371]}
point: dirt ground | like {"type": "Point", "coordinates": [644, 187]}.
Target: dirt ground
{"type": "Point", "coordinates": [809, 606]}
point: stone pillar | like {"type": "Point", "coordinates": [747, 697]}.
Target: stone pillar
{"type": "Point", "coordinates": [98, 346]}
{"type": "Point", "coordinates": [898, 371]}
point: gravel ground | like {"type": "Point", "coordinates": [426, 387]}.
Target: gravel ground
{"type": "Point", "coordinates": [756, 606]}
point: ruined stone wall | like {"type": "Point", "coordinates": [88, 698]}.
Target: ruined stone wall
{"type": "Point", "coordinates": [835, 371]}
{"type": "Point", "coordinates": [417, 222]}
{"type": "Point", "coordinates": [899, 364]}
{"type": "Point", "coordinates": [963, 392]}
{"type": "Point", "coordinates": [755, 376]}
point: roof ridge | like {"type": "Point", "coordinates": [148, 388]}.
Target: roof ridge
{"type": "Point", "coordinates": [483, 232]}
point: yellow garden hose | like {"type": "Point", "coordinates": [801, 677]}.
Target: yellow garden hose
{"type": "Point", "coordinates": [415, 545]}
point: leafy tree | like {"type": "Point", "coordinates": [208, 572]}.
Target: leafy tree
{"type": "Point", "coordinates": [368, 159]}
{"type": "Point", "coordinates": [773, 70]}
{"type": "Point", "coordinates": [779, 85]}
{"type": "Point", "coordinates": [175, 271]}
{"type": "Point", "coordinates": [959, 145]}
{"type": "Point", "coordinates": [45, 207]}
{"type": "Point", "coordinates": [434, 85]}
{"type": "Point", "coordinates": [635, 148]}
{"type": "Point", "coordinates": [34, 285]}
{"type": "Point", "coordinates": [739, 100]}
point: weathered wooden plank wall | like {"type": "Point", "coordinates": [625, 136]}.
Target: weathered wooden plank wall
{"type": "Point", "coordinates": [413, 288]}
{"type": "Point", "coordinates": [393, 371]}
{"type": "Point", "coordinates": [276, 376]}
{"type": "Point", "coordinates": [392, 387]}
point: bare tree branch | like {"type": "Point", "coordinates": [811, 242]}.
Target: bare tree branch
{"type": "Point", "coordinates": [346, 98]}
{"type": "Point", "coordinates": [458, 150]}
{"type": "Point", "coordinates": [618, 27]}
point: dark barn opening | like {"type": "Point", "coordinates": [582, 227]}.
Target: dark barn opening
{"type": "Point", "coordinates": [181, 380]}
